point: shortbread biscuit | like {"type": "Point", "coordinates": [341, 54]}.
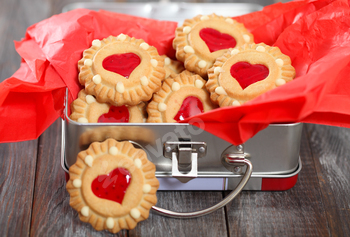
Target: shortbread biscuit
{"type": "Point", "coordinates": [179, 98]}
{"type": "Point", "coordinates": [202, 39]}
{"type": "Point", "coordinates": [244, 73]}
{"type": "Point", "coordinates": [112, 185]}
{"type": "Point", "coordinates": [138, 134]}
{"type": "Point", "coordinates": [172, 67]}
{"type": "Point", "coordinates": [86, 109]}
{"type": "Point", "coordinates": [121, 70]}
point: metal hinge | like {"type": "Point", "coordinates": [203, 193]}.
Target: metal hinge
{"type": "Point", "coordinates": [184, 156]}
{"type": "Point", "coordinates": [231, 154]}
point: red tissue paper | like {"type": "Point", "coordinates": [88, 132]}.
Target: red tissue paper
{"type": "Point", "coordinates": [315, 34]}
{"type": "Point", "coordinates": [32, 99]}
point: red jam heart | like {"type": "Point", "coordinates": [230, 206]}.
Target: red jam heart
{"type": "Point", "coordinates": [122, 64]}
{"type": "Point", "coordinates": [216, 40]}
{"type": "Point", "coordinates": [115, 114]}
{"type": "Point", "coordinates": [247, 74]}
{"type": "Point", "coordinates": [112, 186]}
{"type": "Point", "coordinates": [190, 106]}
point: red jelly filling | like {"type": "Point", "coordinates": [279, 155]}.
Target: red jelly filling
{"type": "Point", "coordinates": [190, 107]}
{"type": "Point", "coordinates": [112, 186]}
{"type": "Point", "coordinates": [122, 64]}
{"type": "Point", "coordinates": [115, 115]}
{"type": "Point", "coordinates": [247, 74]}
{"type": "Point", "coordinates": [216, 40]}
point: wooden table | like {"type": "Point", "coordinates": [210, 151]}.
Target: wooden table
{"type": "Point", "coordinates": [34, 200]}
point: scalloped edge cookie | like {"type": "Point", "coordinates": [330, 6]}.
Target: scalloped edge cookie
{"type": "Point", "coordinates": [113, 88]}
{"type": "Point", "coordinates": [172, 67]}
{"type": "Point", "coordinates": [226, 91]}
{"type": "Point", "coordinates": [102, 158]}
{"type": "Point", "coordinates": [138, 134]}
{"type": "Point", "coordinates": [86, 109]}
{"type": "Point", "coordinates": [192, 50]}
{"type": "Point", "coordinates": [164, 106]}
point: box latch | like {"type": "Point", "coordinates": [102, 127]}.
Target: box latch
{"type": "Point", "coordinates": [184, 156]}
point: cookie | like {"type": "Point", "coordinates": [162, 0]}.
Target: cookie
{"type": "Point", "coordinates": [172, 67]}
{"type": "Point", "coordinates": [244, 73]}
{"type": "Point", "coordinates": [121, 70]}
{"type": "Point", "coordinates": [202, 39]}
{"type": "Point", "coordinates": [139, 134]}
{"type": "Point", "coordinates": [179, 98]}
{"type": "Point", "coordinates": [112, 185]}
{"type": "Point", "coordinates": [86, 109]}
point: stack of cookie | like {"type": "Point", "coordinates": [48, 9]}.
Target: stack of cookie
{"type": "Point", "coordinates": [223, 51]}
{"type": "Point", "coordinates": [126, 80]}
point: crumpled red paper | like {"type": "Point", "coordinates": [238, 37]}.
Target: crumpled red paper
{"type": "Point", "coordinates": [32, 99]}
{"type": "Point", "coordinates": [315, 34]}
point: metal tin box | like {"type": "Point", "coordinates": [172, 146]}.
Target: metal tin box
{"type": "Point", "coordinates": [274, 153]}
{"type": "Point", "coordinates": [187, 157]}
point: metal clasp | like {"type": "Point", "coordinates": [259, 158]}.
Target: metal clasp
{"type": "Point", "coordinates": [184, 156]}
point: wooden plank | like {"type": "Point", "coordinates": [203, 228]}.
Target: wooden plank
{"type": "Point", "coordinates": [9, 30]}
{"type": "Point", "coordinates": [331, 151]}
{"type": "Point", "coordinates": [15, 18]}
{"type": "Point", "coordinates": [209, 225]}
{"type": "Point", "coordinates": [17, 173]}
{"type": "Point", "coordinates": [296, 212]}
{"type": "Point", "coordinates": [51, 210]}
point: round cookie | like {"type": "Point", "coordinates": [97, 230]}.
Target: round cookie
{"type": "Point", "coordinates": [244, 73]}
{"type": "Point", "coordinates": [86, 109]}
{"type": "Point", "coordinates": [139, 134]}
{"type": "Point", "coordinates": [202, 39]}
{"type": "Point", "coordinates": [172, 67]}
{"type": "Point", "coordinates": [121, 70]}
{"type": "Point", "coordinates": [179, 98]}
{"type": "Point", "coordinates": [112, 185]}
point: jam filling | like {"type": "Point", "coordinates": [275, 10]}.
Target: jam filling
{"type": "Point", "coordinates": [190, 106]}
{"type": "Point", "coordinates": [216, 40]}
{"type": "Point", "coordinates": [247, 74]}
{"type": "Point", "coordinates": [112, 186]}
{"type": "Point", "coordinates": [122, 64]}
{"type": "Point", "coordinates": [115, 114]}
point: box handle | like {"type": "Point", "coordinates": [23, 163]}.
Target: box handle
{"type": "Point", "coordinates": [225, 201]}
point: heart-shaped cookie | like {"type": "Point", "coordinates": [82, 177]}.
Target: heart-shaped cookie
{"type": "Point", "coordinates": [121, 70]}
{"type": "Point", "coordinates": [122, 64]}
{"type": "Point", "coordinates": [215, 40]}
{"type": "Point", "coordinates": [247, 74]}
{"type": "Point", "coordinates": [115, 114]}
{"type": "Point", "coordinates": [112, 186]}
{"type": "Point", "coordinates": [202, 39]}
{"type": "Point", "coordinates": [191, 106]}
{"type": "Point", "coordinates": [86, 109]}
{"type": "Point", "coordinates": [179, 98]}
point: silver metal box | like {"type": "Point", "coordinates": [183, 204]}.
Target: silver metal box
{"type": "Point", "coordinates": [274, 152]}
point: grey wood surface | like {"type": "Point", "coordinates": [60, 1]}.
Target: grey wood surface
{"type": "Point", "coordinates": [34, 202]}
{"type": "Point", "coordinates": [296, 212]}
